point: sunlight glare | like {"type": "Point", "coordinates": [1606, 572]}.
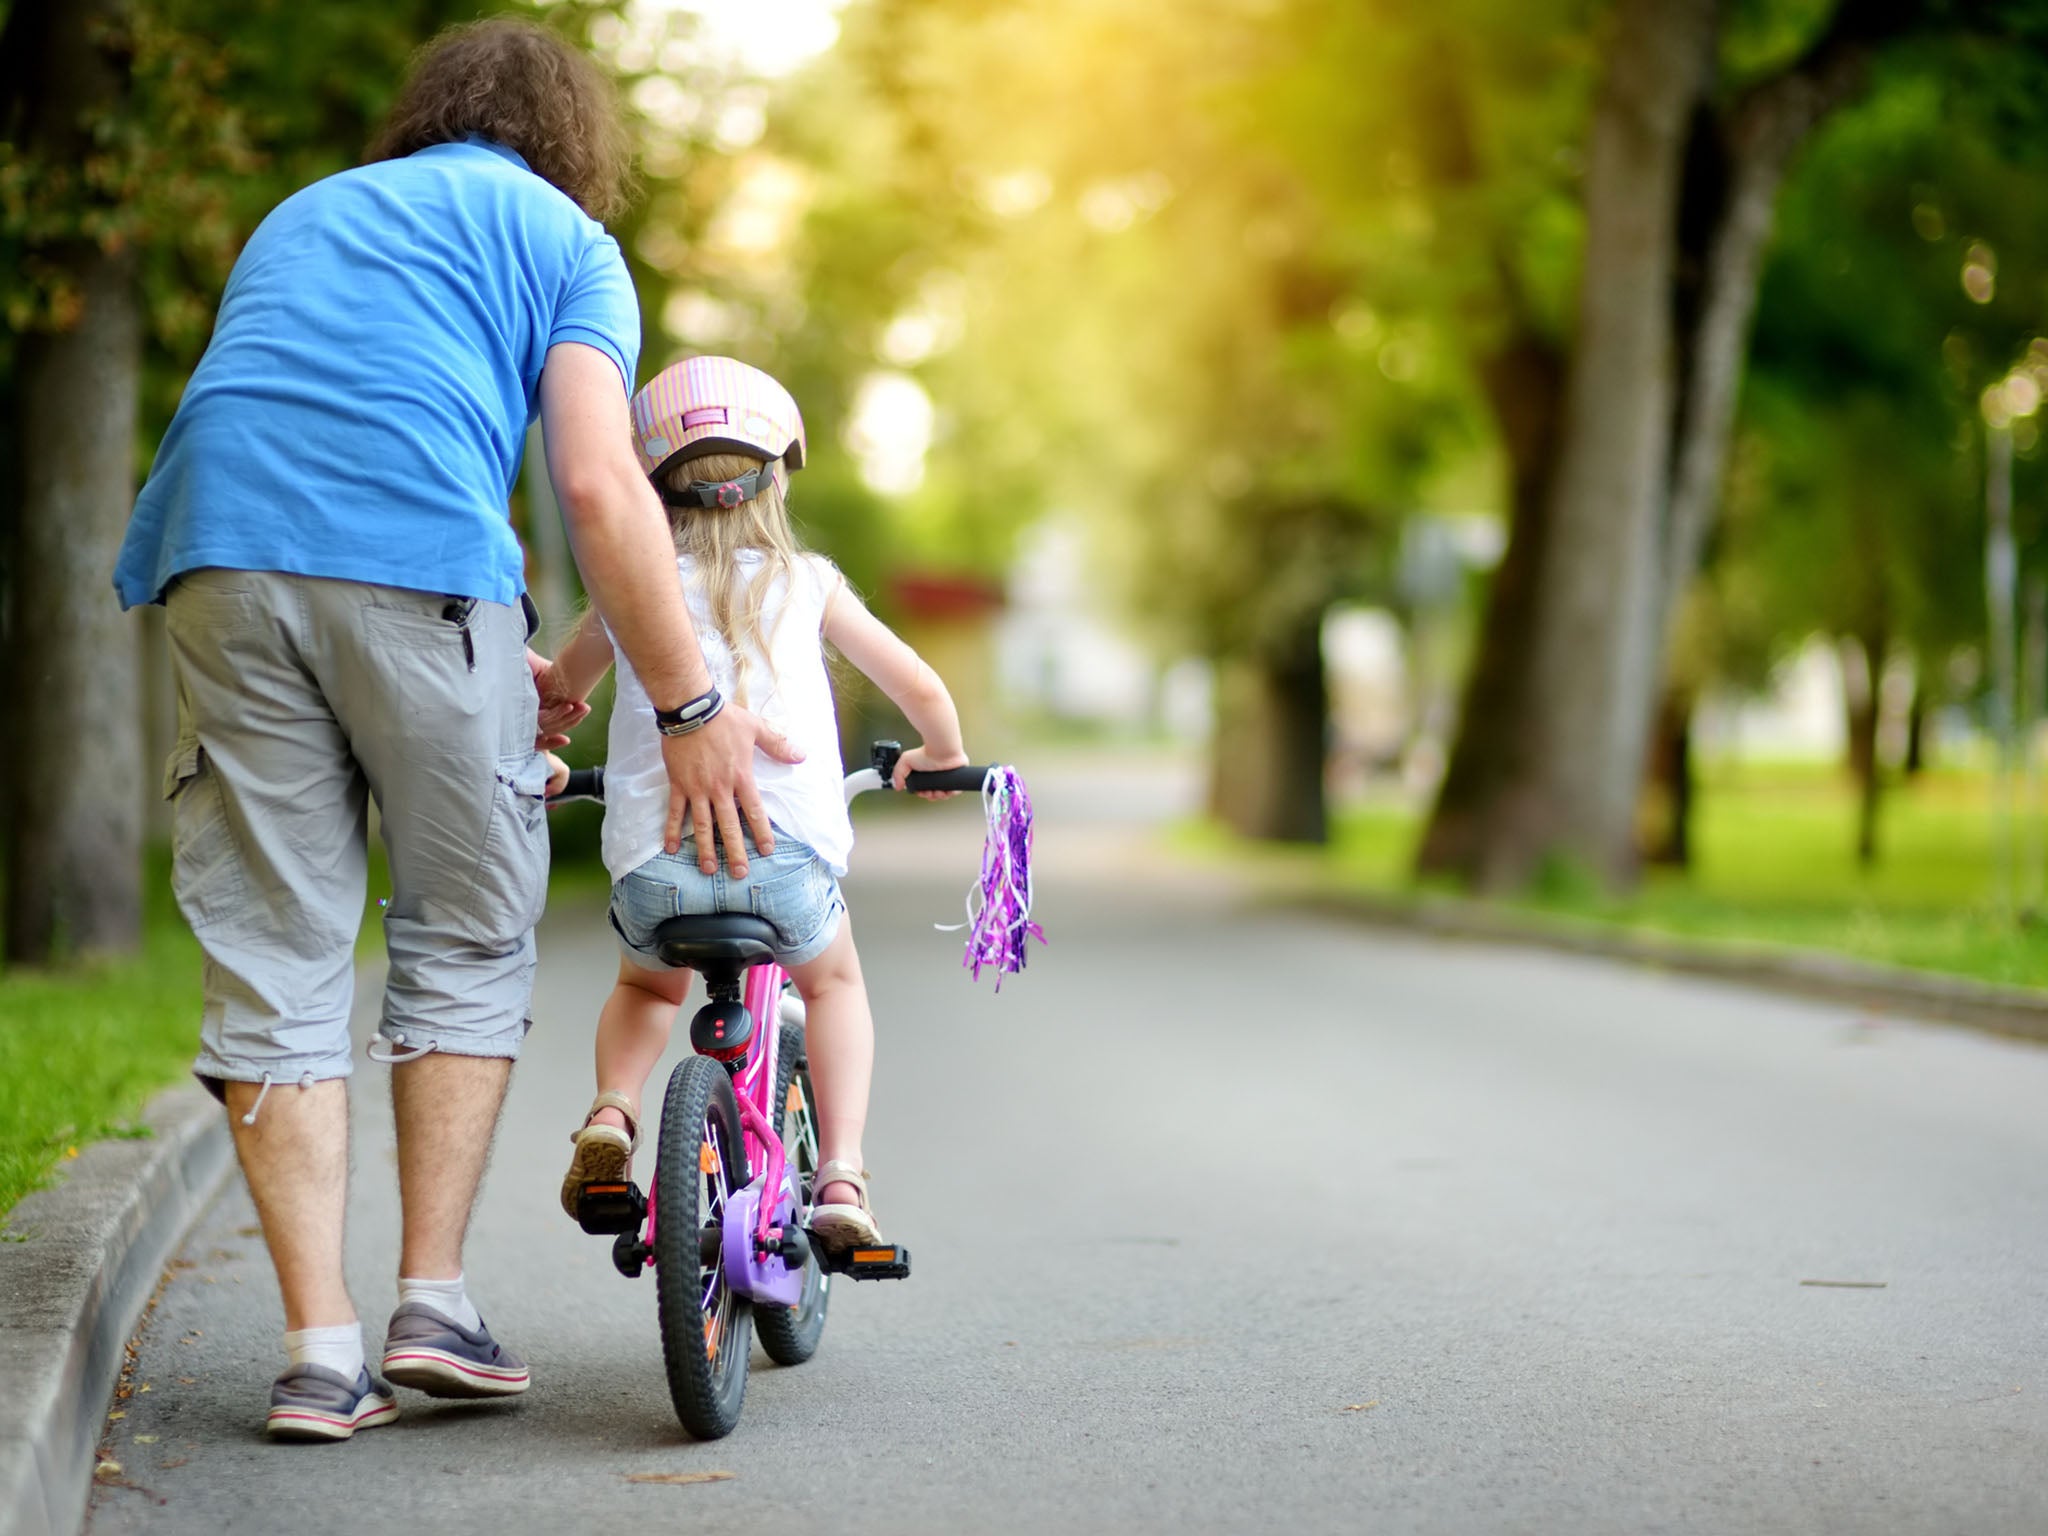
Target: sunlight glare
{"type": "Point", "coordinates": [890, 431]}
{"type": "Point", "coordinates": [765, 38]}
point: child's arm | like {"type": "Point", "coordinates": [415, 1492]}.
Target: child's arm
{"type": "Point", "coordinates": [583, 660]}
{"type": "Point", "coordinates": [566, 681]}
{"type": "Point", "coordinates": [902, 674]}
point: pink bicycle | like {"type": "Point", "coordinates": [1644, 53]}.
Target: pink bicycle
{"type": "Point", "coordinates": [722, 1221]}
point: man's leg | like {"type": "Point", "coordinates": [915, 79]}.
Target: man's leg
{"type": "Point", "coordinates": [295, 1158]}
{"type": "Point", "coordinates": [440, 709]}
{"type": "Point", "coordinates": [268, 867]}
{"type": "Point", "coordinates": [446, 1108]}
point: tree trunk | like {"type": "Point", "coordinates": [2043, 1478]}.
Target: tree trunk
{"type": "Point", "coordinates": [1670, 793]}
{"type": "Point", "coordinates": [1522, 385]}
{"type": "Point", "coordinates": [549, 569]}
{"type": "Point", "coordinates": [1729, 209]}
{"type": "Point", "coordinates": [1229, 780]}
{"type": "Point", "coordinates": [1592, 672]}
{"type": "Point", "coordinates": [1759, 143]}
{"type": "Point", "coordinates": [1270, 744]}
{"type": "Point", "coordinates": [1734, 185]}
{"type": "Point", "coordinates": [158, 689]}
{"type": "Point", "coordinates": [73, 805]}
{"type": "Point", "coordinates": [1862, 677]}
{"type": "Point", "coordinates": [1650, 413]}
{"type": "Point", "coordinates": [1916, 725]}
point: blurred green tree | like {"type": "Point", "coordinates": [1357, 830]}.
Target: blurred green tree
{"type": "Point", "coordinates": [1906, 282]}
{"type": "Point", "coordinates": [1695, 124]}
{"type": "Point", "coordinates": [1173, 300]}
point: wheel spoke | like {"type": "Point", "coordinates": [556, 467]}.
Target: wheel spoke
{"type": "Point", "coordinates": [807, 1139]}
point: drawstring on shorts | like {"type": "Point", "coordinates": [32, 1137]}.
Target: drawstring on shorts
{"type": "Point", "coordinates": [305, 1081]}
{"type": "Point", "coordinates": [401, 1056]}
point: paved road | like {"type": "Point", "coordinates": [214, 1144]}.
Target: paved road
{"type": "Point", "coordinates": [1227, 1220]}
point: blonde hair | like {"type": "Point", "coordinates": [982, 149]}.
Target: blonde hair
{"type": "Point", "coordinates": [714, 537]}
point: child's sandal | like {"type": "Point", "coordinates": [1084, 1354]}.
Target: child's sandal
{"type": "Point", "coordinates": [844, 1226]}
{"type": "Point", "coordinates": [604, 1153]}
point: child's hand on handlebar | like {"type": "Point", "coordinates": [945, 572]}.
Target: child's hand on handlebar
{"type": "Point", "coordinates": [922, 759]}
{"type": "Point", "coordinates": [558, 774]}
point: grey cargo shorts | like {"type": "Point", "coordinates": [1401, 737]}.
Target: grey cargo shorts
{"type": "Point", "coordinates": [298, 700]}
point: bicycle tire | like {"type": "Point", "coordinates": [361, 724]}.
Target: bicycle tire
{"type": "Point", "coordinates": [706, 1332]}
{"type": "Point", "coordinates": [790, 1335]}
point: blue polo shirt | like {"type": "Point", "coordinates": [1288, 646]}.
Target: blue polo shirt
{"type": "Point", "coordinates": [362, 408]}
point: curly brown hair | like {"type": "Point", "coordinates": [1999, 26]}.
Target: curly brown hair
{"type": "Point", "coordinates": [524, 87]}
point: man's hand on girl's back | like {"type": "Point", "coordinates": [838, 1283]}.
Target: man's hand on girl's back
{"type": "Point", "coordinates": [711, 781]}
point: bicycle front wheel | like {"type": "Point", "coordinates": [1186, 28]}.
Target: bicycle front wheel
{"type": "Point", "coordinates": [790, 1334]}
{"type": "Point", "coordinates": [706, 1328]}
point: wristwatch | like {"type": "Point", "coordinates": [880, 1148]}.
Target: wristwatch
{"type": "Point", "coordinates": [693, 716]}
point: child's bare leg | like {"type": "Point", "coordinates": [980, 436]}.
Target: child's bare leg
{"type": "Point", "coordinates": [839, 1037]}
{"type": "Point", "coordinates": [633, 1031]}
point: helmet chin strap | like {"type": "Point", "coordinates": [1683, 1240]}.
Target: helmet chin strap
{"type": "Point", "coordinates": [721, 493]}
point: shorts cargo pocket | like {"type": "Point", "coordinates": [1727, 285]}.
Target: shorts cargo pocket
{"type": "Point", "coordinates": [206, 866]}
{"type": "Point", "coordinates": [511, 888]}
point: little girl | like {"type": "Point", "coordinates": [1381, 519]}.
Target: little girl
{"type": "Point", "coordinates": [720, 439]}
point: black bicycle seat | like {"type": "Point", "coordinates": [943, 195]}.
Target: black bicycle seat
{"type": "Point", "coordinates": [715, 938]}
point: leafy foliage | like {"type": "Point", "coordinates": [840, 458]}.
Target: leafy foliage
{"type": "Point", "coordinates": [1911, 275]}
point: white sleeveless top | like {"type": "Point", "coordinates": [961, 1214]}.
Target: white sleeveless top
{"type": "Point", "coordinates": [789, 688]}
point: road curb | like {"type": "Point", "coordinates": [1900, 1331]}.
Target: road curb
{"type": "Point", "coordinates": [2020, 1012]}
{"type": "Point", "coordinates": [80, 1262]}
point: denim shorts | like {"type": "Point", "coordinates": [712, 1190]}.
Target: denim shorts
{"type": "Point", "coordinates": [792, 889]}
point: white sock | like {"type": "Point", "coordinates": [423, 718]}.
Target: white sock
{"type": "Point", "coordinates": [448, 1297]}
{"type": "Point", "coordinates": [339, 1348]}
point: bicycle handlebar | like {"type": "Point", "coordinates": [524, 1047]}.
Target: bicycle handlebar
{"type": "Point", "coordinates": [588, 783]}
{"type": "Point", "coordinates": [923, 781]}
{"type": "Point", "coordinates": [584, 784]}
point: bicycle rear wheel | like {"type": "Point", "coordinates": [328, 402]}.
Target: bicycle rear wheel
{"type": "Point", "coordinates": [790, 1334]}
{"type": "Point", "coordinates": [706, 1333]}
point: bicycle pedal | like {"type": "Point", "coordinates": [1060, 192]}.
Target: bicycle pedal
{"type": "Point", "coordinates": [602, 1209]}
{"type": "Point", "coordinates": [889, 1261]}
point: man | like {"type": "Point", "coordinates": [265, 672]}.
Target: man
{"type": "Point", "coordinates": [325, 523]}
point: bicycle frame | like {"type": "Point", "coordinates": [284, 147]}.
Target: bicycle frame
{"type": "Point", "coordinates": [755, 1225]}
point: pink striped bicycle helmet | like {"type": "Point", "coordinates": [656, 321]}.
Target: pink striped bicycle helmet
{"type": "Point", "coordinates": [706, 405]}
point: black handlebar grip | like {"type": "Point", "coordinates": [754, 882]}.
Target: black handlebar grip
{"type": "Point", "coordinates": [584, 784]}
{"type": "Point", "coordinates": [968, 779]}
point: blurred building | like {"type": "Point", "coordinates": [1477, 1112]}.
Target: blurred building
{"type": "Point", "coordinates": [950, 620]}
{"type": "Point", "coordinates": [1064, 656]}
{"type": "Point", "coordinates": [1798, 718]}
{"type": "Point", "coordinates": [1368, 665]}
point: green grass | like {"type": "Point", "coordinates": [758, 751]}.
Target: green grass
{"type": "Point", "coordinates": [1774, 864]}
{"type": "Point", "coordinates": [83, 1049]}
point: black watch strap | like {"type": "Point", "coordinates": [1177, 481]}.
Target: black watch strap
{"type": "Point", "coordinates": [696, 714]}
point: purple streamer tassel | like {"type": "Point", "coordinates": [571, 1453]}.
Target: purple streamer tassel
{"type": "Point", "coordinates": [999, 907]}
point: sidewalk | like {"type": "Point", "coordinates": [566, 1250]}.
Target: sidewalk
{"type": "Point", "coordinates": [79, 1264]}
